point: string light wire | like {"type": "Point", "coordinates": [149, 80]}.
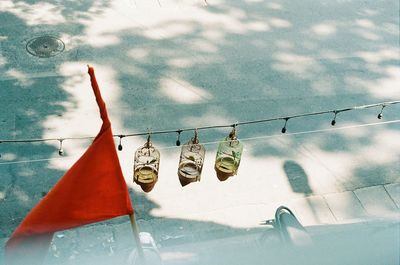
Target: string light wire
{"type": "Point", "coordinates": [285, 118]}
{"type": "Point", "coordinates": [299, 133]}
{"type": "Point", "coordinates": [241, 139]}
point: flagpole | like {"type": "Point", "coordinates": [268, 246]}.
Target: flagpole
{"type": "Point", "coordinates": [135, 231]}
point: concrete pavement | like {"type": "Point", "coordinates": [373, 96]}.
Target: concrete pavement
{"type": "Point", "coordinates": [182, 64]}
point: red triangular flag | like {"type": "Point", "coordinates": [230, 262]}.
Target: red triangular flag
{"type": "Point", "coordinates": [92, 190]}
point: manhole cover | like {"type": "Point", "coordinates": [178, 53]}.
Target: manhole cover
{"type": "Point", "coordinates": [45, 46]}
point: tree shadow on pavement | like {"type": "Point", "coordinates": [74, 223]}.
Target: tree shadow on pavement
{"type": "Point", "coordinates": [236, 61]}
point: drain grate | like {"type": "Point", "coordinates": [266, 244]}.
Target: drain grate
{"type": "Point", "coordinates": [45, 46]}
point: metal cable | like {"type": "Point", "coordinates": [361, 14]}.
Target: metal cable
{"type": "Point", "coordinates": [285, 118]}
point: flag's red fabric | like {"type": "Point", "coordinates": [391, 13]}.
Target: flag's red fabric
{"type": "Point", "coordinates": [92, 190]}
